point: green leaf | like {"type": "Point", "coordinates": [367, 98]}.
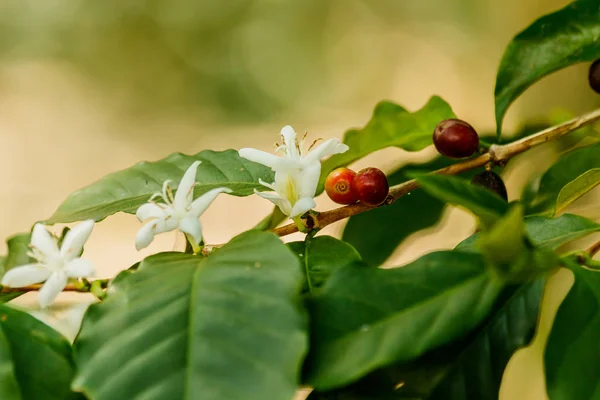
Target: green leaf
{"type": "Point", "coordinates": [320, 256]}
{"type": "Point", "coordinates": [471, 367]}
{"type": "Point", "coordinates": [227, 326]}
{"type": "Point", "coordinates": [367, 318]}
{"type": "Point", "coordinates": [572, 355]}
{"type": "Point", "coordinates": [577, 188]}
{"type": "Point", "coordinates": [391, 126]}
{"type": "Point", "coordinates": [546, 233]}
{"type": "Point", "coordinates": [504, 242]}
{"type": "Point", "coordinates": [487, 205]}
{"type": "Point", "coordinates": [128, 189]}
{"type": "Point", "coordinates": [558, 40]}
{"type": "Point", "coordinates": [35, 360]}
{"type": "Point", "coordinates": [379, 232]}
{"type": "Point", "coordinates": [18, 254]}
{"type": "Point", "coordinates": [18, 251]}
{"type": "Point", "coordinates": [568, 174]}
{"type": "Point", "coordinates": [551, 233]}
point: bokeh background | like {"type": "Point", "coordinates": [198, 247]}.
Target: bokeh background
{"type": "Point", "coordinates": [91, 87]}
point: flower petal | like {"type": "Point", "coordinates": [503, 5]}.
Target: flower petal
{"type": "Point", "coordinates": [147, 232]}
{"type": "Point", "coordinates": [185, 190]}
{"type": "Point", "coordinates": [261, 157]}
{"type": "Point", "coordinates": [327, 148]}
{"type": "Point", "coordinates": [79, 268]}
{"type": "Point", "coordinates": [72, 245]}
{"type": "Point", "coordinates": [201, 203]}
{"type": "Point", "coordinates": [265, 184]}
{"type": "Point", "coordinates": [25, 275]}
{"type": "Point", "coordinates": [302, 206]}
{"type": "Point", "coordinates": [145, 235]}
{"type": "Point", "coordinates": [289, 137]}
{"type": "Point", "coordinates": [192, 227]}
{"type": "Point", "coordinates": [283, 204]}
{"type": "Point", "coordinates": [149, 210]}
{"type": "Point", "coordinates": [43, 241]}
{"type": "Point", "coordinates": [308, 180]}
{"type": "Point", "coordinates": [53, 286]}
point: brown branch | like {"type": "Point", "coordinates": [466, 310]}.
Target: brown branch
{"type": "Point", "coordinates": [497, 154]}
{"type": "Point", "coordinates": [81, 287]}
{"type": "Point", "coordinates": [593, 249]}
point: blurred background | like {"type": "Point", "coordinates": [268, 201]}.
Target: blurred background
{"type": "Point", "coordinates": [88, 88]}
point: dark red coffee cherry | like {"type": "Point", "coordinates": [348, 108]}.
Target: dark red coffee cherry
{"type": "Point", "coordinates": [372, 186]}
{"type": "Point", "coordinates": [594, 76]}
{"type": "Point", "coordinates": [339, 186]}
{"type": "Point", "coordinates": [491, 181]}
{"type": "Point", "coordinates": [454, 138]}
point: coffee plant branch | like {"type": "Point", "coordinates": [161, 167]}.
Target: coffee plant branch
{"type": "Point", "coordinates": [496, 154]}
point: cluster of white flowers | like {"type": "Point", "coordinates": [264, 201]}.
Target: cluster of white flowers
{"type": "Point", "coordinates": [296, 178]}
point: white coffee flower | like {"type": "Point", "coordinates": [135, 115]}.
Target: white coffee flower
{"type": "Point", "coordinates": [297, 172]}
{"type": "Point", "coordinates": [177, 212]}
{"type": "Point", "coordinates": [54, 266]}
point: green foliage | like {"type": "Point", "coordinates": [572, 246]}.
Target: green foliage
{"type": "Point", "coordinates": [35, 361]}
{"type": "Point", "coordinates": [488, 206]}
{"type": "Point", "coordinates": [226, 326]}
{"type": "Point", "coordinates": [558, 40]}
{"type": "Point", "coordinates": [470, 368]}
{"type": "Point", "coordinates": [18, 254]}
{"type": "Point", "coordinates": [232, 323]}
{"type": "Point", "coordinates": [18, 251]}
{"type": "Point", "coordinates": [391, 126]}
{"type": "Point", "coordinates": [379, 232]}
{"type": "Point", "coordinates": [366, 318]}
{"type": "Point", "coordinates": [321, 256]}
{"type": "Point", "coordinates": [572, 356]}
{"type": "Point", "coordinates": [545, 232]}
{"type": "Point", "coordinates": [126, 190]}
{"type": "Point", "coordinates": [573, 175]}
{"type": "Point", "coordinates": [507, 248]}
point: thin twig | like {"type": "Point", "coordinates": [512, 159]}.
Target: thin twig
{"type": "Point", "coordinates": [71, 287]}
{"type": "Point", "coordinates": [498, 154]}
{"type": "Point", "coordinates": [593, 249]}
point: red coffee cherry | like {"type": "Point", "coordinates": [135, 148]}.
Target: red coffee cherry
{"type": "Point", "coordinates": [372, 186]}
{"type": "Point", "coordinates": [454, 138]}
{"type": "Point", "coordinates": [339, 186]}
{"type": "Point", "coordinates": [491, 181]}
{"type": "Point", "coordinates": [594, 76]}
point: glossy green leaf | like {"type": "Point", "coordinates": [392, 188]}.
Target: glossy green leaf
{"type": "Point", "coordinates": [458, 191]}
{"type": "Point", "coordinates": [568, 173]}
{"type": "Point", "coordinates": [126, 190]}
{"type": "Point", "coordinates": [470, 368]}
{"type": "Point", "coordinates": [577, 188]}
{"type": "Point", "coordinates": [391, 126]}
{"type": "Point", "coordinates": [551, 233]}
{"type": "Point", "coordinates": [379, 232]}
{"type": "Point", "coordinates": [320, 256]}
{"type": "Point", "coordinates": [558, 40]}
{"type": "Point", "coordinates": [572, 355]}
{"type": "Point", "coordinates": [546, 233]}
{"type": "Point", "coordinates": [227, 326]}
{"type": "Point", "coordinates": [367, 318]}
{"type": "Point", "coordinates": [35, 361]}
